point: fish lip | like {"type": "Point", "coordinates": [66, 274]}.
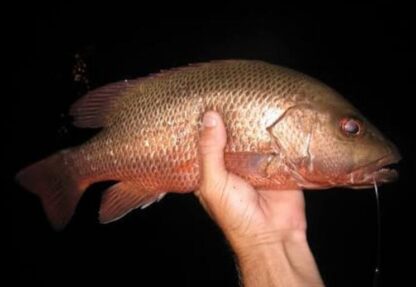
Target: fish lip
{"type": "Point", "coordinates": [378, 172]}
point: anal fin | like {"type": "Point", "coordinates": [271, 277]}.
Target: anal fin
{"type": "Point", "coordinates": [124, 197]}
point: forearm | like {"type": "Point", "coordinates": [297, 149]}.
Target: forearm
{"type": "Point", "coordinates": [277, 262]}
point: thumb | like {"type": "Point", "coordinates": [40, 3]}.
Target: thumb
{"type": "Point", "coordinates": [212, 142]}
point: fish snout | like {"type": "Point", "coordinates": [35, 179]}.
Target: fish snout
{"type": "Point", "coordinates": [394, 153]}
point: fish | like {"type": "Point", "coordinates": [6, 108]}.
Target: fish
{"type": "Point", "coordinates": [285, 130]}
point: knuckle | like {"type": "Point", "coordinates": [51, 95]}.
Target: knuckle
{"type": "Point", "coordinates": [208, 146]}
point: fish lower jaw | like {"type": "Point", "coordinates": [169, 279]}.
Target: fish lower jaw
{"type": "Point", "coordinates": [367, 179]}
{"type": "Point", "coordinates": [384, 175]}
{"type": "Point", "coordinates": [356, 180]}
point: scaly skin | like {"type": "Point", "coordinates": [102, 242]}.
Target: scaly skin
{"type": "Point", "coordinates": [284, 131]}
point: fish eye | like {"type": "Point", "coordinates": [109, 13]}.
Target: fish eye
{"type": "Point", "coordinates": [351, 126]}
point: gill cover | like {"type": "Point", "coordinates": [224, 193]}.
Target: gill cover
{"type": "Point", "coordinates": [293, 133]}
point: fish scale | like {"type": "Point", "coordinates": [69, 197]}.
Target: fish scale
{"type": "Point", "coordinates": [282, 132]}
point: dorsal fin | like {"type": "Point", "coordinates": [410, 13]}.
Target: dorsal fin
{"type": "Point", "coordinates": [93, 109]}
{"type": "Point", "coordinates": [192, 66]}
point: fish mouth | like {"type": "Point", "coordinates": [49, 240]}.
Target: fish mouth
{"type": "Point", "coordinates": [378, 172]}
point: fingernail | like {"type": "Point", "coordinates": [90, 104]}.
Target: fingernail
{"type": "Point", "coordinates": [209, 121]}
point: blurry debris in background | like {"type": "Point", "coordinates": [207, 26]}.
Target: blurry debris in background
{"type": "Point", "coordinates": [80, 82]}
{"type": "Point", "coordinates": [80, 71]}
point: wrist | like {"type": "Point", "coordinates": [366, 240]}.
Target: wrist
{"type": "Point", "coordinates": [244, 243]}
{"type": "Point", "coordinates": [277, 259]}
{"type": "Point", "coordinates": [270, 246]}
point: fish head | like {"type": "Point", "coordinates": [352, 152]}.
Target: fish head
{"type": "Point", "coordinates": [326, 142]}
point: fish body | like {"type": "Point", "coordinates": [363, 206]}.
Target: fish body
{"type": "Point", "coordinates": [285, 130]}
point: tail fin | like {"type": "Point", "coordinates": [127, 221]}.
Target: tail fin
{"type": "Point", "coordinates": [56, 186]}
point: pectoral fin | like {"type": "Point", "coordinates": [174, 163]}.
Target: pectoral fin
{"type": "Point", "coordinates": [248, 163]}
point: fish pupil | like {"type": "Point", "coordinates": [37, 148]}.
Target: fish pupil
{"type": "Point", "coordinates": [350, 126]}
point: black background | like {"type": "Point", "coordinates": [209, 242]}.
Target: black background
{"type": "Point", "coordinates": [362, 51]}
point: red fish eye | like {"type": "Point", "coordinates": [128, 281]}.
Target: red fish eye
{"type": "Point", "coordinates": [351, 127]}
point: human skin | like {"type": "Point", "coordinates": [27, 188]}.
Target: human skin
{"type": "Point", "coordinates": [265, 228]}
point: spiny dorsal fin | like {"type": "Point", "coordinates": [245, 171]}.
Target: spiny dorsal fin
{"type": "Point", "coordinates": [199, 65]}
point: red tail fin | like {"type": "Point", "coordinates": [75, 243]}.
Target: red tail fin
{"type": "Point", "coordinates": [57, 187]}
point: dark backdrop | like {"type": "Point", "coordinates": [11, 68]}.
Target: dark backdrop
{"type": "Point", "coordinates": [364, 52]}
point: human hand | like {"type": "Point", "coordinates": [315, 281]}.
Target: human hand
{"type": "Point", "coordinates": [252, 216]}
{"type": "Point", "coordinates": [266, 228]}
